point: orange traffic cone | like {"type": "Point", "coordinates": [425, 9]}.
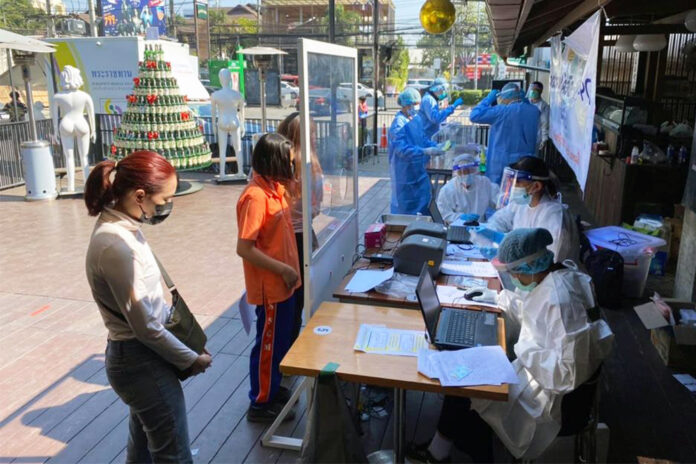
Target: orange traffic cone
{"type": "Point", "coordinates": [383, 139]}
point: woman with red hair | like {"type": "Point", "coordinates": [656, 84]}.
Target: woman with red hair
{"type": "Point", "coordinates": [141, 354]}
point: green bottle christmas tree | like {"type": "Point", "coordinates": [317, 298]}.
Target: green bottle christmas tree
{"type": "Point", "coordinates": [158, 118]}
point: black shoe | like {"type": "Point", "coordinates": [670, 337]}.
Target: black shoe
{"type": "Point", "coordinates": [421, 453]}
{"type": "Point", "coordinates": [268, 412]}
{"type": "Point", "coordinates": [282, 395]}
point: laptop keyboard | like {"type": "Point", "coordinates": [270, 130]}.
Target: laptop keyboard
{"type": "Point", "coordinates": [461, 327]}
{"type": "Point", "coordinates": [457, 234]}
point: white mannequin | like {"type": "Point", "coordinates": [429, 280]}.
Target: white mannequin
{"type": "Point", "coordinates": [72, 103]}
{"type": "Point", "coordinates": [230, 105]}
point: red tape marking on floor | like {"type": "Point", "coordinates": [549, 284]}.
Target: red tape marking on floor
{"type": "Point", "coordinates": [41, 309]}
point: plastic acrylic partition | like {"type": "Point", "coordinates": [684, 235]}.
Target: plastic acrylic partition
{"type": "Point", "coordinates": [328, 107]}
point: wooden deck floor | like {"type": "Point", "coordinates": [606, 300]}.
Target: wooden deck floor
{"type": "Point", "coordinates": [56, 404]}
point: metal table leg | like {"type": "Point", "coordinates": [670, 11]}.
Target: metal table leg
{"type": "Point", "coordinates": [399, 429]}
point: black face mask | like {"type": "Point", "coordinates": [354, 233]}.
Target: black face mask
{"type": "Point", "coordinates": [161, 213]}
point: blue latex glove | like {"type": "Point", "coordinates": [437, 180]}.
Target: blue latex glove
{"type": "Point", "coordinates": [491, 234]}
{"type": "Point", "coordinates": [488, 252]}
{"type": "Point", "coordinates": [469, 217]}
{"type": "Point", "coordinates": [458, 102]}
{"type": "Point", "coordinates": [492, 95]}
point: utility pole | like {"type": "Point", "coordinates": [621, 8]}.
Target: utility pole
{"type": "Point", "coordinates": [92, 19]}
{"type": "Point", "coordinates": [172, 20]}
{"type": "Point", "coordinates": [195, 27]}
{"type": "Point", "coordinates": [332, 21]}
{"type": "Point", "coordinates": [452, 52]}
{"type": "Point", "coordinates": [375, 66]}
{"type": "Point", "coordinates": [51, 27]}
{"type": "Point", "coordinates": [476, 40]}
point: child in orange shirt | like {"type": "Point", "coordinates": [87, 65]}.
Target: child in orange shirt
{"type": "Point", "coordinates": [267, 245]}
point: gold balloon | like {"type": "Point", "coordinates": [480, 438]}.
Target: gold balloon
{"type": "Point", "coordinates": [437, 16]}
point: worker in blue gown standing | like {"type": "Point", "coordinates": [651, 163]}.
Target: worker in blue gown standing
{"type": "Point", "coordinates": [514, 126]}
{"type": "Point", "coordinates": [430, 110]}
{"type": "Point", "coordinates": [409, 151]}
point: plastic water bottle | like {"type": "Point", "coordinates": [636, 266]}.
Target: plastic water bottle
{"type": "Point", "coordinates": [670, 154]}
{"type": "Point", "coordinates": [635, 154]}
{"type": "Point", "coordinates": [683, 155]}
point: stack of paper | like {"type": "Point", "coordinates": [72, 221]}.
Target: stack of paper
{"type": "Point", "coordinates": [468, 268]}
{"type": "Point", "coordinates": [378, 339]}
{"type": "Point", "coordinates": [483, 365]}
{"type": "Point", "coordinates": [455, 251]}
{"type": "Point", "coordinates": [365, 280]}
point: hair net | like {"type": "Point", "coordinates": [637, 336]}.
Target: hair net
{"type": "Point", "coordinates": [524, 251]}
{"type": "Point", "coordinates": [510, 91]}
{"type": "Point", "coordinates": [409, 96]}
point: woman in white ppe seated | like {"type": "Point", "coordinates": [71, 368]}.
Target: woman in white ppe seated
{"type": "Point", "coordinates": [535, 202]}
{"type": "Point", "coordinates": [559, 347]}
{"type": "Point", "coordinates": [468, 194]}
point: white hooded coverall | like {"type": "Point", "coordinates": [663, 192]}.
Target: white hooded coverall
{"type": "Point", "coordinates": [453, 200]}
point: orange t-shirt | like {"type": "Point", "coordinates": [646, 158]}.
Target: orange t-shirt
{"type": "Point", "coordinates": [263, 215]}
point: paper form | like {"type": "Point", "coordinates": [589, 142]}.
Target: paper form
{"type": "Point", "coordinates": [468, 268]}
{"type": "Point", "coordinates": [365, 280]}
{"type": "Point", "coordinates": [378, 339]}
{"type": "Point", "coordinates": [482, 365]}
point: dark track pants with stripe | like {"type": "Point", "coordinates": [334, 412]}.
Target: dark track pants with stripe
{"type": "Point", "coordinates": [274, 328]}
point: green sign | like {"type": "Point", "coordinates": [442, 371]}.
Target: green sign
{"type": "Point", "coordinates": [202, 10]}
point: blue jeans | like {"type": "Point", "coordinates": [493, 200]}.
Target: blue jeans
{"type": "Point", "coordinates": [158, 430]}
{"type": "Point", "coordinates": [275, 325]}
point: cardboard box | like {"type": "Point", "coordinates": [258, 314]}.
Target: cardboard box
{"type": "Point", "coordinates": [674, 342]}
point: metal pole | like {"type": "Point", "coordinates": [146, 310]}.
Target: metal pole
{"type": "Point", "coordinates": [30, 101]}
{"type": "Point", "coordinates": [375, 66]}
{"type": "Point", "coordinates": [476, 69]}
{"type": "Point", "coordinates": [452, 55]}
{"type": "Point", "coordinates": [258, 23]}
{"type": "Point", "coordinates": [92, 19]}
{"type": "Point", "coordinates": [12, 86]}
{"type": "Point", "coordinates": [207, 23]}
{"type": "Point", "coordinates": [332, 21]}
{"type": "Point", "coordinates": [262, 94]}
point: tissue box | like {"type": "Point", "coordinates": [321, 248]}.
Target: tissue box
{"type": "Point", "coordinates": [375, 235]}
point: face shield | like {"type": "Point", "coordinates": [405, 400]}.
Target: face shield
{"type": "Point", "coordinates": [511, 188]}
{"type": "Point", "coordinates": [532, 264]}
{"type": "Point", "coordinates": [464, 171]}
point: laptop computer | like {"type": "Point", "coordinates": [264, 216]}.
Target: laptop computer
{"type": "Point", "coordinates": [455, 234]}
{"type": "Point", "coordinates": [453, 329]}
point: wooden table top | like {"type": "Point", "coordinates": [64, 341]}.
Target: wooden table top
{"type": "Point", "coordinates": [311, 352]}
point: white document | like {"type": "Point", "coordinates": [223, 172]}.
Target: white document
{"type": "Point", "coordinates": [463, 251]}
{"type": "Point", "coordinates": [365, 280]}
{"type": "Point", "coordinates": [685, 379]}
{"type": "Point", "coordinates": [482, 365]}
{"type": "Point", "coordinates": [247, 313]}
{"type": "Point", "coordinates": [378, 339]}
{"type": "Point", "coordinates": [468, 268]}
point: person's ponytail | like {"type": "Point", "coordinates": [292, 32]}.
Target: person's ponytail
{"type": "Point", "coordinates": [99, 188]}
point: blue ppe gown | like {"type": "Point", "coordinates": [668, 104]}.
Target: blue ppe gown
{"type": "Point", "coordinates": [410, 182]}
{"type": "Point", "coordinates": [513, 133]}
{"type": "Point", "coordinates": [432, 115]}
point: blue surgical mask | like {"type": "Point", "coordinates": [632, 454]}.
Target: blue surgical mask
{"type": "Point", "coordinates": [533, 95]}
{"type": "Point", "coordinates": [442, 96]}
{"type": "Point", "coordinates": [525, 288]}
{"type": "Point", "coordinates": [519, 196]}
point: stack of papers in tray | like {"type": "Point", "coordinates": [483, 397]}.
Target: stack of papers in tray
{"type": "Point", "coordinates": [378, 339]}
{"type": "Point", "coordinates": [468, 268]}
{"type": "Point", "coordinates": [482, 365]}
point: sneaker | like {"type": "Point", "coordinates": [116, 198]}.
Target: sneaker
{"type": "Point", "coordinates": [283, 395]}
{"type": "Point", "coordinates": [421, 453]}
{"type": "Point", "coordinates": [268, 412]}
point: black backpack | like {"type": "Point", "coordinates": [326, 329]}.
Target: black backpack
{"type": "Point", "coordinates": [606, 267]}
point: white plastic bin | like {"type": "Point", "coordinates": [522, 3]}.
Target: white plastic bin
{"type": "Point", "coordinates": [636, 270]}
{"type": "Point", "coordinates": [626, 242]}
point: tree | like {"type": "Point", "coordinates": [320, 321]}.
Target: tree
{"type": "Point", "coordinates": [21, 16]}
{"type": "Point", "coordinates": [346, 24]}
{"type": "Point", "coordinates": [464, 30]}
{"type": "Point", "coordinates": [398, 69]}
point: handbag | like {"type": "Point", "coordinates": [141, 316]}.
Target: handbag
{"type": "Point", "coordinates": [180, 322]}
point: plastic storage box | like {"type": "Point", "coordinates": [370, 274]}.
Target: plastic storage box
{"type": "Point", "coordinates": [636, 249]}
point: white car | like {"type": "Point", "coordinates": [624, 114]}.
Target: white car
{"type": "Point", "coordinates": [288, 89]}
{"type": "Point", "coordinates": [419, 84]}
{"type": "Point", "coordinates": [363, 91]}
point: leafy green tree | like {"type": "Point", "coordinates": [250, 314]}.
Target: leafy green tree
{"type": "Point", "coordinates": [346, 23]}
{"type": "Point", "coordinates": [398, 68]}
{"type": "Point", "coordinates": [21, 16]}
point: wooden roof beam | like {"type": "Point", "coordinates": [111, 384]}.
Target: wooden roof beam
{"type": "Point", "coordinates": [586, 8]}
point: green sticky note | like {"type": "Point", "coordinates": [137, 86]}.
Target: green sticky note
{"type": "Point", "coordinates": [329, 369]}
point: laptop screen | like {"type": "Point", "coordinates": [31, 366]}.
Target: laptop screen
{"type": "Point", "coordinates": [429, 302]}
{"type": "Point", "coordinates": [435, 212]}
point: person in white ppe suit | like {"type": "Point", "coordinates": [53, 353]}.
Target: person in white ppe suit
{"type": "Point", "coordinates": [561, 345]}
{"type": "Point", "coordinates": [534, 96]}
{"type": "Point", "coordinates": [468, 194]}
{"type": "Point", "coordinates": [533, 202]}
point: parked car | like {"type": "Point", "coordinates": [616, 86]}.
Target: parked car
{"type": "Point", "coordinates": [364, 91]}
{"type": "Point", "coordinates": [420, 84]}
{"type": "Point", "coordinates": [288, 89]}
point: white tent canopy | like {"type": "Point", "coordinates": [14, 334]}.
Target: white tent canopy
{"type": "Point", "coordinates": [27, 44]}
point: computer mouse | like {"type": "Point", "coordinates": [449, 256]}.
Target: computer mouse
{"type": "Point", "coordinates": [471, 295]}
